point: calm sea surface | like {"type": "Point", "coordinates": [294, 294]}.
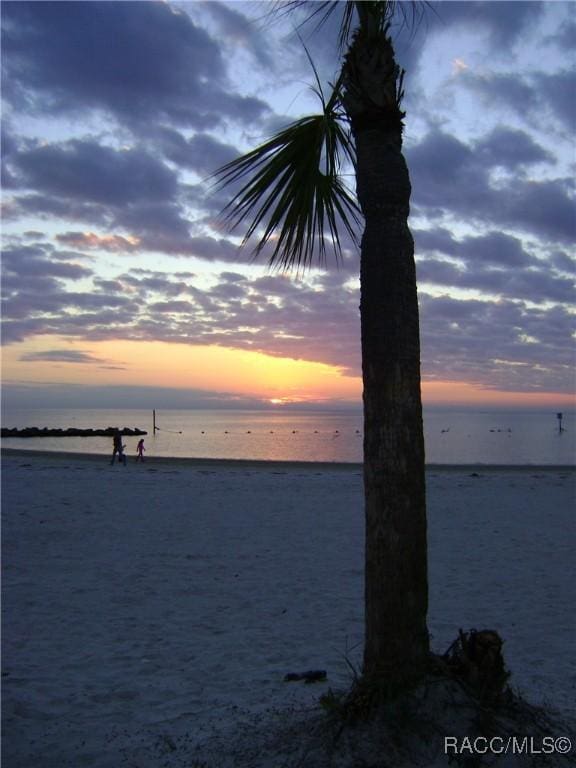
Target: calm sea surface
{"type": "Point", "coordinates": [452, 437]}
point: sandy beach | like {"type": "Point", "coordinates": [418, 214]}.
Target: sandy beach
{"type": "Point", "coordinates": [151, 612]}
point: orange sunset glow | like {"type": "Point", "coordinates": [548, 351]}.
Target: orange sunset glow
{"type": "Point", "coordinates": [180, 366]}
{"type": "Point", "coordinates": [276, 380]}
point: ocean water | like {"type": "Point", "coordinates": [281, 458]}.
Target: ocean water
{"type": "Point", "coordinates": [452, 436]}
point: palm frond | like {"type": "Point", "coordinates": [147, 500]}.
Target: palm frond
{"type": "Point", "coordinates": [292, 189]}
{"type": "Point", "coordinates": [321, 12]}
{"type": "Point", "coordinates": [372, 12]}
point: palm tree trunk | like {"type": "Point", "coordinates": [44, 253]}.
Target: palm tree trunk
{"type": "Point", "coordinates": [396, 591]}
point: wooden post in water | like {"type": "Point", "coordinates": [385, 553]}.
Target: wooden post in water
{"type": "Point", "coordinates": [154, 422]}
{"type": "Point", "coordinates": [559, 417]}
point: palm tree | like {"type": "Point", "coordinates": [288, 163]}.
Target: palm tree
{"type": "Point", "coordinates": [293, 195]}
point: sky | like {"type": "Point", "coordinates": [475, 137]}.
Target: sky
{"type": "Point", "coordinates": [120, 284]}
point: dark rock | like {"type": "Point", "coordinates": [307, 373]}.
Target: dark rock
{"type": "Point", "coordinates": [70, 432]}
{"type": "Point", "coordinates": [312, 676]}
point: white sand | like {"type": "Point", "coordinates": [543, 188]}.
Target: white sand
{"type": "Point", "coordinates": [151, 610]}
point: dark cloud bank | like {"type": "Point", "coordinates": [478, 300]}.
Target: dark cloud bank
{"type": "Point", "coordinates": [148, 90]}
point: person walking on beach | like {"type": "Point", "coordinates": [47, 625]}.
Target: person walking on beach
{"type": "Point", "coordinates": [118, 448]}
{"type": "Point", "coordinates": [140, 450]}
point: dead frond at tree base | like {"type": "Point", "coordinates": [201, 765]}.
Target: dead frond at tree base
{"type": "Point", "coordinates": [463, 693]}
{"type": "Point", "coordinates": [475, 659]}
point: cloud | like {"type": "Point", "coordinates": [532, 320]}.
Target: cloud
{"type": "Point", "coordinates": [505, 23]}
{"type": "Point", "coordinates": [94, 173]}
{"type": "Point", "coordinates": [534, 285]}
{"type": "Point", "coordinates": [451, 178]}
{"type": "Point", "coordinates": [61, 356]}
{"type": "Point", "coordinates": [511, 148]}
{"type": "Point", "coordinates": [136, 61]}
{"type": "Point", "coordinates": [159, 225]}
{"type": "Point", "coordinates": [145, 283]}
{"type": "Point", "coordinates": [118, 112]}
{"type": "Point", "coordinates": [25, 395]}
{"type": "Point", "coordinates": [565, 36]}
{"type": "Point", "coordinates": [532, 351]}
{"type": "Point", "coordinates": [38, 295]}
{"type": "Point", "coordinates": [127, 191]}
{"type": "Point", "coordinates": [84, 181]}
{"type": "Point", "coordinates": [91, 240]}
{"type": "Point", "coordinates": [317, 319]}
{"type": "Point", "coordinates": [494, 248]}
{"type": "Point", "coordinates": [34, 284]}
{"type": "Point", "coordinates": [35, 261]}
{"type": "Point", "coordinates": [529, 96]}
{"type": "Point", "coordinates": [201, 153]}
{"type": "Point", "coordinates": [48, 208]}
{"type": "Point", "coordinates": [496, 264]}
{"type": "Point", "coordinates": [240, 31]}
{"type": "Point", "coordinates": [545, 208]}
{"type": "Point", "coordinates": [171, 307]}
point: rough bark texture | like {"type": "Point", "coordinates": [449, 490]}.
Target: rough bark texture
{"type": "Point", "coordinates": [396, 593]}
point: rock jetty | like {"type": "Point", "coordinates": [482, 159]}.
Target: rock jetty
{"type": "Point", "coordinates": [70, 432]}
